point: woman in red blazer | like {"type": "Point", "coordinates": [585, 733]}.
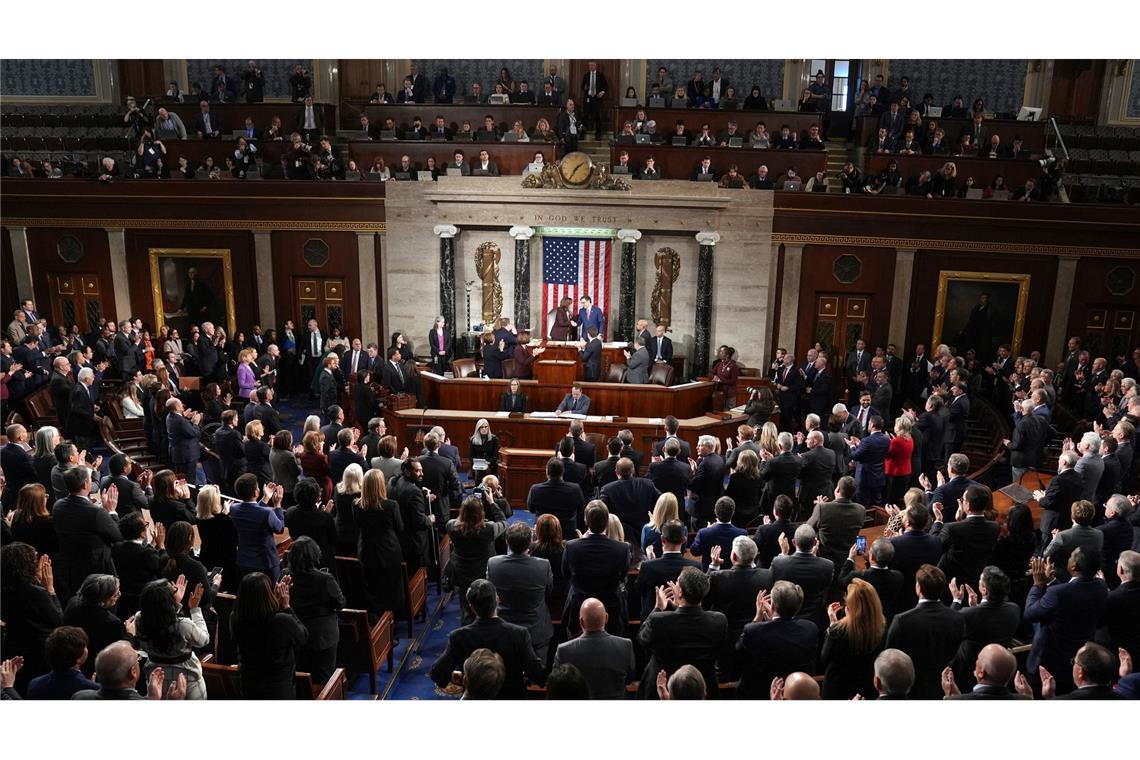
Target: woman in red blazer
{"type": "Point", "coordinates": [315, 464]}
{"type": "Point", "coordinates": [897, 464]}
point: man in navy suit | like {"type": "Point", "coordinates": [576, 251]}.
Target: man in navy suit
{"type": "Point", "coordinates": [671, 426]}
{"type": "Point", "coordinates": [590, 316]}
{"type": "Point", "coordinates": [1063, 615]}
{"type": "Point", "coordinates": [670, 474]}
{"type": "Point", "coordinates": [862, 413]}
{"type": "Point", "coordinates": [858, 361]}
{"type": "Point", "coordinates": [185, 439]}
{"type": "Point", "coordinates": [575, 402]}
{"type": "Point", "coordinates": [779, 641]}
{"type": "Point", "coordinates": [869, 455]}
{"type": "Point", "coordinates": [595, 566]}
{"type": "Point", "coordinates": [256, 523]}
{"type": "Point", "coordinates": [590, 352]}
{"type": "Point", "coordinates": [16, 461]}
{"type": "Point", "coordinates": [1057, 500]}
{"type": "Point", "coordinates": [949, 491]}
{"type": "Point", "coordinates": [721, 533]}
{"type": "Point", "coordinates": [660, 347]}
{"type": "Point", "coordinates": [607, 662]}
{"type": "Point", "coordinates": [573, 471]}
{"type": "Point", "coordinates": [914, 547]}
{"type": "Point", "coordinates": [557, 497]}
{"type": "Point", "coordinates": [819, 390]}
{"type": "Point", "coordinates": [632, 499]}
{"type": "Point", "coordinates": [707, 484]}
{"type": "Point", "coordinates": [662, 570]}
{"type": "Point", "coordinates": [930, 633]}
{"type": "Point", "coordinates": [810, 572]}
{"type": "Point", "coordinates": [959, 411]}
{"type": "Point", "coordinates": [790, 384]}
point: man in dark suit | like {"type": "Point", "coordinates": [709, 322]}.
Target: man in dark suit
{"type": "Point", "coordinates": [208, 124]}
{"type": "Point", "coordinates": [1094, 670]}
{"type": "Point", "coordinates": [328, 384]}
{"type": "Point", "coordinates": [817, 470]}
{"type": "Point", "coordinates": [838, 521]}
{"type": "Point", "coordinates": [930, 633]}
{"type": "Point", "coordinates": [86, 532]}
{"type": "Point", "coordinates": [914, 547]}
{"type": "Point", "coordinates": [230, 449]}
{"type": "Point", "coordinates": [81, 419]}
{"type": "Point", "coordinates": [16, 461]}
{"type": "Point", "coordinates": [1064, 615]}
{"type": "Point", "coordinates": [575, 402]}
{"type": "Point", "coordinates": [671, 475]}
{"type": "Point", "coordinates": [968, 543]}
{"type": "Point", "coordinates": [509, 641]}
{"type": "Point", "coordinates": [887, 582]}
{"type": "Point", "coordinates": [660, 346]}
{"type": "Point", "coordinates": [733, 591]}
{"type": "Point", "coordinates": [1030, 434]}
{"type": "Point", "coordinates": [631, 498]}
{"type": "Point", "coordinates": [1057, 500]}
{"type": "Point", "coordinates": [862, 414]}
{"type": "Point", "coordinates": [767, 536]}
{"type": "Point", "coordinates": [993, 621]}
{"type": "Point", "coordinates": [790, 386]}
{"type": "Point", "coordinates": [522, 583]}
{"type": "Point", "coordinates": [665, 569]}
{"type": "Point", "coordinates": [605, 470]}
{"type": "Point", "coordinates": [777, 642]}
{"type": "Point", "coordinates": [672, 424]}
{"type": "Point", "coordinates": [572, 471]}
{"type": "Point", "coordinates": [687, 635]}
{"type": "Point", "coordinates": [439, 477]}
{"type": "Point", "coordinates": [345, 454]}
{"type": "Point", "coordinates": [590, 353]}
{"type": "Point", "coordinates": [331, 431]}
{"type": "Point", "coordinates": [570, 126]}
{"type": "Point", "coordinates": [858, 361]}
{"type": "Point", "coordinates": [719, 535]}
{"type": "Point", "coordinates": [1080, 535]}
{"type": "Point", "coordinates": [626, 437]}
{"type": "Point", "coordinates": [558, 497]}
{"type": "Point", "coordinates": [595, 566]}
{"type": "Point", "coordinates": [818, 391]}
{"type": "Point", "coordinates": [869, 455]}
{"type": "Point", "coordinates": [811, 573]}
{"type": "Point", "coordinates": [947, 493]}
{"type": "Point", "coordinates": [594, 88]}
{"type": "Point", "coordinates": [60, 386]}
{"type": "Point", "coordinates": [932, 425]}
{"type": "Point", "coordinates": [185, 439]}
{"type": "Point", "coordinates": [779, 473]}
{"type": "Point", "coordinates": [707, 483]}
{"type": "Point", "coordinates": [993, 670]}
{"type": "Point", "coordinates": [311, 347]}
{"type": "Point", "coordinates": [607, 662]}
{"type": "Point", "coordinates": [958, 411]}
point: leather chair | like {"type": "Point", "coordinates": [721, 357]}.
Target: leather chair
{"type": "Point", "coordinates": [616, 373]}
{"type": "Point", "coordinates": [508, 367]}
{"type": "Point", "coordinates": [463, 367]}
{"type": "Point", "coordinates": [661, 374]}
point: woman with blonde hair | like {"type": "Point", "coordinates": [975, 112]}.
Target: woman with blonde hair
{"type": "Point", "coordinates": [492, 486]}
{"type": "Point", "coordinates": [614, 529]}
{"type": "Point", "coordinates": [745, 487]}
{"type": "Point", "coordinates": [768, 438]}
{"type": "Point", "coordinates": [484, 445]}
{"type": "Point", "coordinates": [945, 180]}
{"type": "Point", "coordinates": [543, 133]}
{"type": "Point", "coordinates": [130, 402]}
{"type": "Point", "coordinates": [378, 519]}
{"type": "Point", "coordinates": [312, 423]}
{"type": "Point", "coordinates": [519, 133]}
{"type": "Point", "coordinates": [897, 466]}
{"type": "Point", "coordinates": [218, 537]}
{"type": "Point", "coordinates": [246, 379]}
{"type": "Point", "coordinates": [346, 493]}
{"type": "Point", "coordinates": [257, 452]}
{"type": "Point", "coordinates": [664, 510]}
{"type": "Point", "coordinates": [852, 643]}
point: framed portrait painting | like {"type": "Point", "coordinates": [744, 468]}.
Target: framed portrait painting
{"type": "Point", "coordinates": [980, 310]}
{"type": "Point", "coordinates": [191, 286]}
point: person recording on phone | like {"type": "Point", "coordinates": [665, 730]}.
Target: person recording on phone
{"type": "Point", "coordinates": [257, 522]}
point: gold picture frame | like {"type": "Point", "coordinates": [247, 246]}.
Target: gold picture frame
{"type": "Point", "coordinates": [944, 319]}
{"type": "Point", "coordinates": [158, 256]}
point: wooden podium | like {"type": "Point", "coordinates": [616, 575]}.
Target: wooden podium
{"type": "Point", "coordinates": [556, 371]}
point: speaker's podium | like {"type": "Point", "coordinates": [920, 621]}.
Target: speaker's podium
{"type": "Point", "coordinates": [556, 371]}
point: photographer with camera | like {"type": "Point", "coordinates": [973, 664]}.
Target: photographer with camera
{"type": "Point", "coordinates": [296, 159]}
{"type": "Point", "coordinates": [300, 84]}
{"type": "Point", "coordinates": [150, 156]}
{"type": "Point", "coordinates": [135, 119]}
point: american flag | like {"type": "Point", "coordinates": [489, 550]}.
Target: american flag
{"type": "Point", "coordinates": [575, 267]}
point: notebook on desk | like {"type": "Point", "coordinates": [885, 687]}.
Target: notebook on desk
{"type": "Point", "coordinates": [626, 139]}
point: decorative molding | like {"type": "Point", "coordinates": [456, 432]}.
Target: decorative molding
{"type": "Point", "coordinates": [970, 246]}
{"type": "Point", "coordinates": [706, 237]}
{"type": "Point", "coordinates": [269, 225]}
{"type": "Point", "coordinates": [629, 236]}
{"type": "Point", "coordinates": [445, 230]}
{"type": "Point", "coordinates": [521, 232]}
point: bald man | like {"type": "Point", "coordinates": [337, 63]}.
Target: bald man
{"type": "Point", "coordinates": [798, 686]}
{"type": "Point", "coordinates": [117, 671]}
{"type": "Point", "coordinates": [994, 669]}
{"type": "Point", "coordinates": [607, 661]}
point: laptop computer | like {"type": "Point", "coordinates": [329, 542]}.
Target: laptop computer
{"type": "Point", "coordinates": [656, 103]}
{"type": "Point", "coordinates": [387, 134]}
{"type": "Point", "coordinates": [1001, 195]}
{"type": "Point", "coordinates": [454, 171]}
{"type": "Point", "coordinates": [735, 142]}
{"type": "Point", "coordinates": [533, 169]}
{"type": "Point", "coordinates": [480, 172]}
{"type": "Point", "coordinates": [629, 102]}
{"type": "Point", "coordinates": [619, 169]}
{"type": "Point", "coordinates": [498, 100]}
{"type": "Point", "coordinates": [794, 185]}
{"type": "Point", "coordinates": [890, 190]}
{"type": "Point", "coordinates": [704, 177]}
{"type": "Point", "coordinates": [626, 139]}
{"type": "Point", "coordinates": [641, 139]}
{"type": "Point", "coordinates": [974, 194]}
{"type": "Point", "coordinates": [678, 140]}
{"type": "Point", "coordinates": [781, 105]}
{"type": "Point", "coordinates": [401, 175]}
{"type": "Point", "coordinates": [411, 134]}
{"type": "Point", "coordinates": [510, 137]}
{"type": "Point", "coordinates": [348, 176]}
{"type": "Point", "coordinates": [425, 176]}
{"type": "Point", "coordinates": [1028, 113]}
{"type": "Point", "coordinates": [471, 99]}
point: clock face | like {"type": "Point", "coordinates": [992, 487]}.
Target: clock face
{"type": "Point", "coordinates": [576, 168]}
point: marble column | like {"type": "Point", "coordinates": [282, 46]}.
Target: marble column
{"type": "Point", "coordinates": [447, 234]}
{"type": "Point", "coordinates": [900, 298]}
{"type": "Point", "coordinates": [263, 260]}
{"type": "Point", "coordinates": [117, 247]}
{"type": "Point", "coordinates": [766, 311]}
{"type": "Point", "coordinates": [366, 265]}
{"type": "Point", "coordinates": [703, 331]}
{"type": "Point", "coordinates": [790, 296]}
{"type": "Point", "coordinates": [522, 236]}
{"type": "Point", "coordinates": [1059, 318]}
{"type": "Point", "coordinates": [23, 261]}
{"type": "Point", "coordinates": [627, 286]}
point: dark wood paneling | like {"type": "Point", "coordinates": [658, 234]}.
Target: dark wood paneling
{"type": "Point", "coordinates": [1091, 290]}
{"type": "Point", "coordinates": [1075, 91]}
{"type": "Point", "coordinates": [343, 262]}
{"type": "Point", "coordinates": [44, 255]}
{"type": "Point", "coordinates": [983, 170]}
{"type": "Point", "coordinates": [359, 77]}
{"type": "Point", "coordinates": [717, 120]}
{"type": "Point", "coordinates": [240, 245]}
{"type": "Point", "coordinates": [875, 281]}
{"type": "Point", "coordinates": [680, 162]}
{"type": "Point", "coordinates": [140, 76]}
{"type": "Point", "coordinates": [929, 263]}
{"type": "Point", "coordinates": [9, 296]}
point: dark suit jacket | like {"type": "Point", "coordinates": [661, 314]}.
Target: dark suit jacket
{"type": "Point", "coordinates": [733, 591]}
{"type": "Point", "coordinates": [658, 572]}
{"type": "Point", "coordinates": [887, 582]}
{"type": "Point", "coordinates": [933, 427]}
{"type": "Point", "coordinates": [767, 538]}
{"type": "Point", "coordinates": [718, 534]}
{"type": "Point", "coordinates": [949, 493]}
{"type": "Point", "coordinates": [817, 466]}
{"type": "Point", "coordinates": [270, 419]}
{"type": "Point", "coordinates": [340, 459]}
{"type": "Point", "coordinates": [775, 649]}
{"type": "Point", "coordinates": [595, 566]}
{"type": "Point", "coordinates": [256, 526]}
{"type": "Point", "coordinates": [578, 474]}
{"type": "Point", "coordinates": [607, 662]}
{"type": "Point", "coordinates": [812, 574]}
{"type": "Point", "coordinates": [685, 454]}
{"type": "Point", "coordinates": [968, 544]}
{"type": "Point", "coordinates": [989, 691]}
{"type": "Point", "coordinates": [329, 389]}
{"type": "Point", "coordinates": [671, 476]}
{"type": "Point", "coordinates": [81, 413]}
{"type": "Point", "coordinates": [1063, 490]}
{"type": "Point", "coordinates": [19, 471]}
{"type": "Point", "coordinates": [986, 623]}
{"type": "Point", "coordinates": [686, 636]}
{"type": "Point", "coordinates": [517, 403]}
{"type": "Point", "coordinates": [511, 642]}
{"type": "Point", "coordinates": [560, 498]}
{"type": "Point", "coordinates": [60, 388]}
{"type": "Point", "coordinates": [581, 406]}
{"type": "Point", "coordinates": [779, 475]}
{"type": "Point", "coordinates": [215, 124]}
{"type": "Point", "coordinates": [591, 357]}
{"type": "Point", "coordinates": [86, 534]}
{"type": "Point", "coordinates": [522, 583]}
{"type": "Point", "coordinates": [441, 479]}
{"type": "Point", "coordinates": [1028, 441]}
{"type": "Point", "coordinates": [666, 348]}
{"type": "Point", "coordinates": [930, 633]}
{"type": "Point", "coordinates": [707, 485]}
{"type": "Point", "coordinates": [605, 472]}
{"type": "Point", "coordinates": [632, 500]}
{"type": "Point", "coordinates": [1066, 615]}
{"type": "Point", "coordinates": [837, 523]}
{"type": "Point", "coordinates": [1120, 624]}
{"type": "Point", "coordinates": [185, 445]}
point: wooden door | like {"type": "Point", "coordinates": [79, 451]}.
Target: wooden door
{"type": "Point", "coordinates": [359, 77]}
{"type": "Point", "coordinates": [141, 77]}
{"type": "Point", "coordinates": [322, 299]}
{"type": "Point", "coordinates": [1111, 331]}
{"type": "Point", "coordinates": [1075, 90]}
{"type": "Point", "coordinates": [76, 298]}
{"type": "Point", "coordinates": [840, 320]}
{"type": "Point", "coordinates": [608, 67]}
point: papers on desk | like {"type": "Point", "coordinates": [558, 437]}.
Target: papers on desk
{"type": "Point", "coordinates": [425, 373]}
{"type": "Point", "coordinates": [656, 421]}
{"type": "Point", "coordinates": [691, 382]}
{"type": "Point", "coordinates": [551, 415]}
{"type": "Point", "coordinates": [597, 418]}
{"type": "Point", "coordinates": [502, 414]}
{"type": "Point", "coordinates": [542, 415]}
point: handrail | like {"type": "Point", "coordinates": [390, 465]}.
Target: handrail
{"type": "Point", "coordinates": [1001, 431]}
{"type": "Point", "coordinates": [1057, 132]}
